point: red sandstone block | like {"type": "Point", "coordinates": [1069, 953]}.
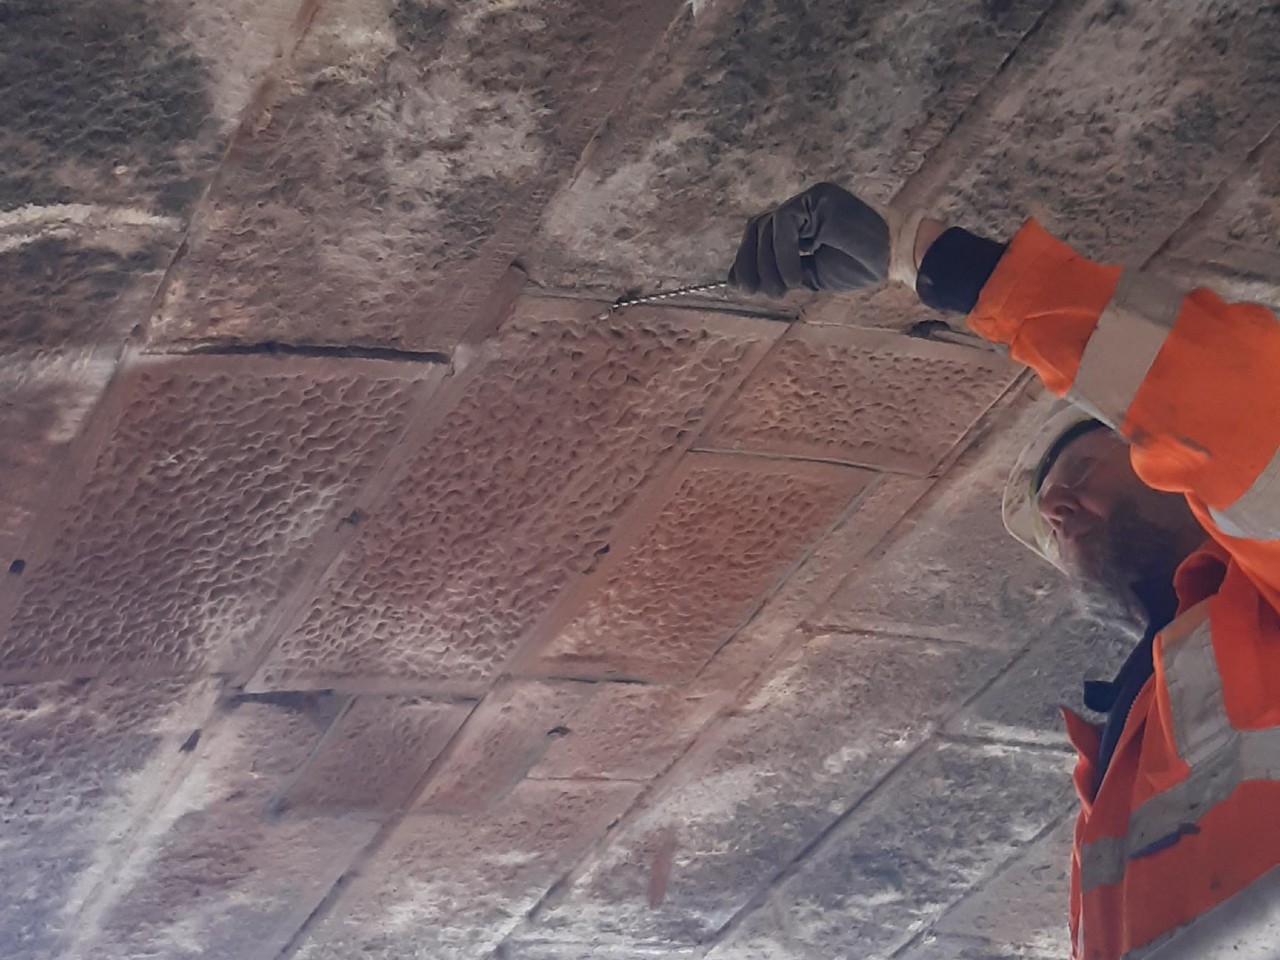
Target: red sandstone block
{"type": "Point", "coordinates": [501, 741]}
{"type": "Point", "coordinates": [866, 397]}
{"type": "Point", "coordinates": [726, 533]}
{"type": "Point", "coordinates": [375, 755]}
{"type": "Point", "coordinates": [518, 491]}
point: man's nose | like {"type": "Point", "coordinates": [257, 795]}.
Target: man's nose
{"type": "Point", "coordinates": [1057, 507]}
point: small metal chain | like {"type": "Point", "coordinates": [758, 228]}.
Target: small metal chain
{"type": "Point", "coordinates": [678, 292]}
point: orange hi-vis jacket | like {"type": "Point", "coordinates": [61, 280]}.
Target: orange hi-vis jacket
{"type": "Point", "coordinates": [1188, 811]}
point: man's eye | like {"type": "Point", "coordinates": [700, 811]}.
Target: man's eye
{"type": "Point", "coordinates": [1078, 471]}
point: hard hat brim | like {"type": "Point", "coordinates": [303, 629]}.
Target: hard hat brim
{"type": "Point", "coordinates": [1020, 507]}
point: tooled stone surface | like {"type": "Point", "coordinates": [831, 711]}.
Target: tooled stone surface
{"type": "Point", "coordinates": [892, 867]}
{"type": "Point", "coordinates": [506, 735]}
{"type": "Point", "coordinates": [1114, 168]}
{"type": "Point", "coordinates": [451, 887]}
{"type": "Point", "coordinates": [518, 491]}
{"type": "Point", "coordinates": [834, 718]}
{"type": "Point", "coordinates": [218, 872]}
{"type": "Point", "coordinates": [726, 535]}
{"type": "Point", "coordinates": [957, 574]}
{"type": "Point", "coordinates": [1240, 235]}
{"type": "Point", "coordinates": [867, 398]}
{"type": "Point", "coordinates": [1022, 909]}
{"type": "Point", "coordinates": [213, 482]}
{"type": "Point", "coordinates": [627, 731]}
{"type": "Point", "coordinates": [72, 761]}
{"type": "Point", "coordinates": [402, 167]}
{"type": "Point", "coordinates": [375, 755]}
{"type": "Point", "coordinates": [105, 99]}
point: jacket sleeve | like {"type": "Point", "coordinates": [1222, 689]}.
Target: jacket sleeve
{"type": "Point", "coordinates": [1192, 381]}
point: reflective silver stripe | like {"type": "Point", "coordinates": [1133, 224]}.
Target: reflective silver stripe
{"type": "Point", "coordinates": [1256, 513]}
{"type": "Point", "coordinates": [1162, 820]}
{"type": "Point", "coordinates": [1199, 715]}
{"type": "Point", "coordinates": [1201, 731]}
{"type": "Point", "coordinates": [1102, 862]}
{"type": "Point", "coordinates": [1124, 345]}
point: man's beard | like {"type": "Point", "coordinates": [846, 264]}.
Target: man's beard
{"type": "Point", "coordinates": [1125, 552]}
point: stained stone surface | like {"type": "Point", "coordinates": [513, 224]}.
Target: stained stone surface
{"type": "Point", "coordinates": [400, 169]}
{"type": "Point", "coordinates": [369, 587]}
{"type": "Point", "coordinates": [833, 720]}
{"type": "Point", "coordinates": [453, 887]}
{"type": "Point", "coordinates": [749, 103]}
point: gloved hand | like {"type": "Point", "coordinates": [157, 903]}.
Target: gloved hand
{"type": "Point", "coordinates": [824, 239]}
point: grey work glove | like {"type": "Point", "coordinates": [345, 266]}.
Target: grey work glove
{"type": "Point", "coordinates": [822, 239]}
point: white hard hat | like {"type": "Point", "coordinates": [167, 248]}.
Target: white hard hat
{"type": "Point", "coordinates": [1021, 508]}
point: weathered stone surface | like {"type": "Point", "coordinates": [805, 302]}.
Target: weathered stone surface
{"type": "Point", "coordinates": [727, 533]}
{"type": "Point", "coordinates": [402, 167]}
{"type": "Point", "coordinates": [746, 800]}
{"type": "Point", "coordinates": [214, 873]}
{"type": "Point", "coordinates": [879, 510]}
{"type": "Point", "coordinates": [965, 948]}
{"type": "Point", "coordinates": [957, 574]}
{"type": "Point", "coordinates": [1115, 167]}
{"type": "Point", "coordinates": [69, 291]}
{"type": "Point", "coordinates": [374, 756]}
{"type": "Point", "coordinates": [387, 185]}
{"type": "Point", "coordinates": [518, 492]}
{"type": "Point", "coordinates": [506, 735]}
{"type": "Point", "coordinates": [45, 401]}
{"type": "Point", "coordinates": [627, 732]}
{"type": "Point", "coordinates": [862, 397]}
{"type": "Point", "coordinates": [77, 762]}
{"type": "Point", "coordinates": [1024, 704]}
{"type": "Point", "coordinates": [1023, 909]}
{"type": "Point", "coordinates": [749, 103]}
{"type": "Point", "coordinates": [1243, 234]}
{"type": "Point", "coordinates": [108, 100]}
{"type": "Point", "coordinates": [762, 934]}
{"type": "Point", "coordinates": [453, 887]}
{"type": "Point", "coordinates": [1234, 246]}
{"type": "Point", "coordinates": [212, 481]}
{"type": "Point", "coordinates": [893, 866]}
{"type": "Point", "coordinates": [518, 948]}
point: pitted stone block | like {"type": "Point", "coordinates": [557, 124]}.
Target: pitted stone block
{"type": "Point", "coordinates": [214, 477]}
{"type": "Point", "coordinates": [518, 493]}
{"type": "Point", "coordinates": [374, 756]}
{"type": "Point", "coordinates": [503, 738]}
{"type": "Point", "coordinates": [727, 532]}
{"type": "Point", "coordinates": [863, 397]}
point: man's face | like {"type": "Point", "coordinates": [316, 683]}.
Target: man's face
{"type": "Point", "coordinates": [1110, 528]}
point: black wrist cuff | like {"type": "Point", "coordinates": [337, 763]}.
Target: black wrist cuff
{"type": "Point", "coordinates": [955, 268]}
